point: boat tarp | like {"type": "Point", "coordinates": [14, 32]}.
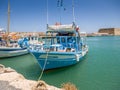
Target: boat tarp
{"type": "Point", "coordinates": [69, 27]}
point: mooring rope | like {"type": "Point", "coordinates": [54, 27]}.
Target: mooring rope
{"type": "Point", "coordinates": [43, 66]}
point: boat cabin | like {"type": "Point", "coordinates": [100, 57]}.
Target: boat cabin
{"type": "Point", "coordinates": [62, 38]}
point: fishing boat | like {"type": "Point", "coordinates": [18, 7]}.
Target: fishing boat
{"type": "Point", "coordinates": [63, 46]}
{"type": "Point", "coordinates": [6, 48]}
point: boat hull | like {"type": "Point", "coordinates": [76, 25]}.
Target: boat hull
{"type": "Point", "coordinates": [51, 60]}
{"type": "Point", "coordinates": [12, 52]}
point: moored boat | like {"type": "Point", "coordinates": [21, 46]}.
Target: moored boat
{"type": "Point", "coordinates": [6, 48]}
{"type": "Point", "coordinates": [63, 47]}
{"type": "Point", "coordinates": [6, 52]}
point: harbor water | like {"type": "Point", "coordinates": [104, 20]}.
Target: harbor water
{"type": "Point", "coordinates": [99, 70]}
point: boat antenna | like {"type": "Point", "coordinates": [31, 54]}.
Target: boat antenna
{"type": "Point", "coordinates": [73, 11]}
{"type": "Point", "coordinates": [60, 14]}
{"type": "Point", "coordinates": [47, 12]}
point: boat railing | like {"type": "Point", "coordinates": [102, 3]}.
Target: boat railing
{"type": "Point", "coordinates": [59, 44]}
{"type": "Point", "coordinates": [68, 43]}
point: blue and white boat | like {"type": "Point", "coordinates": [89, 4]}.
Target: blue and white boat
{"type": "Point", "coordinates": [6, 52]}
{"type": "Point", "coordinates": [63, 47]}
{"type": "Point", "coordinates": [6, 48]}
{"type": "Point", "coordinates": [12, 49]}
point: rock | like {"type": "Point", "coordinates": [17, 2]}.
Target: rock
{"type": "Point", "coordinates": [5, 70]}
{"type": "Point", "coordinates": [11, 80]}
{"type": "Point", "coordinates": [2, 67]}
{"type": "Point", "coordinates": [40, 85]}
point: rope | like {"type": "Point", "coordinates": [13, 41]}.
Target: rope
{"type": "Point", "coordinates": [43, 67]}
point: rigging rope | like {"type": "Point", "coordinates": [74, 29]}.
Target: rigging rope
{"type": "Point", "coordinates": [43, 66]}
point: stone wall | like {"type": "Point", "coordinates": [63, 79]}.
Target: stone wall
{"type": "Point", "coordinates": [117, 31]}
{"type": "Point", "coordinates": [110, 31]}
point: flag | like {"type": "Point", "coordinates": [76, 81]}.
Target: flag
{"type": "Point", "coordinates": [64, 9]}
{"type": "Point", "coordinates": [59, 3]}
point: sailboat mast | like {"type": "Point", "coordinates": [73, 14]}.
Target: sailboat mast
{"type": "Point", "coordinates": [8, 25]}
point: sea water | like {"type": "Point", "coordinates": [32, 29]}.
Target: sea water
{"type": "Point", "coordinates": [99, 70]}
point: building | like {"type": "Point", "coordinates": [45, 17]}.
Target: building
{"type": "Point", "coordinates": [110, 31]}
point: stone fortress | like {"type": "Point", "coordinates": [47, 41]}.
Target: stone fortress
{"type": "Point", "coordinates": [110, 31]}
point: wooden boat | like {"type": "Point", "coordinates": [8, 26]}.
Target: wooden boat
{"type": "Point", "coordinates": [65, 48]}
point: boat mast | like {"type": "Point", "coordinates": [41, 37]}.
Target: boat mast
{"type": "Point", "coordinates": [61, 5]}
{"type": "Point", "coordinates": [73, 11]}
{"type": "Point", "coordinates": [47, 12]}
{"type": "Point", "coordinates": [8, 24]}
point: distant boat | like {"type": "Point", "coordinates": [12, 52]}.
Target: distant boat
{"type": "Point", "coordinates": [6, 49]}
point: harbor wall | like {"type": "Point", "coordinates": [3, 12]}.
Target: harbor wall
{"type": "Point", "coordinates": [110, 31]}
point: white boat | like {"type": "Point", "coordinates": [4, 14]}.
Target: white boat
{"type": "Point", "coordinates": [6, 50]}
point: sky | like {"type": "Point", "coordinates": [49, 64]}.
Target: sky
{"type": "Point", "coordinates": [31, 15]}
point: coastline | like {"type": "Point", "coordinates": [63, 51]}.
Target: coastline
{"type": "Point", "coordinates": [11, 80]}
